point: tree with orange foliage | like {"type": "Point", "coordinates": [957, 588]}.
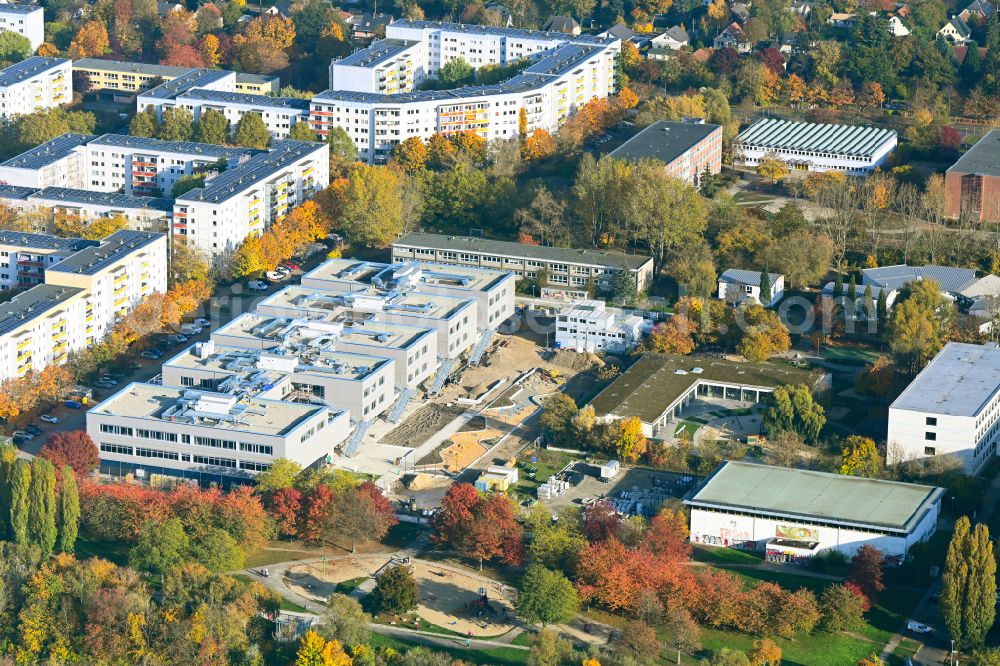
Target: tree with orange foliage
{"type": "Point", "coordinates": [627, 99]}
{"type": "Point", "coordinates": [674, 336]}
{"type": "Point", "coordinates": [440, 151]}
{"type": "Point", "coordinates": [470, 145]}
{"type": "Point", "coordinates": [277, 31]}
{"type": "Point", "coordinates": [538, 146]}
{"type": "Point", "coordinates": [47, 50]}
{"type": "Point", "coordinates": [90, 40]}
{"type": "Point", "coordinates": [794, 89]}
{"type": "Point", "coordinates": [873, 95]}
{"type": "Point", "coordinates": [522, 122]}
{"type": "Point", "coordinates": [842, 94]}
{"type": "Point", "coordinates": [410, 155]}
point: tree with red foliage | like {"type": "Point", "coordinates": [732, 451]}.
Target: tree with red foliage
{"type": "Point", "coordinates": [241, 513]}
{"type": "Point", "coordinates": [181, 55]}
{"type": "Point", "coordinates": [866, 571]}
{"type": "Point", "coordinates": [950, 139]}
{"type": "Point", "coordinates": [667, 535]}
{"type": "Point", "coordinates": [483, 527]}
{"type": "Point", "coordinates": [601, 521]}
{"type": "Point", "coordinates": [854, 589]}
{"type": "Point", "coordinates": [359, 514]}
{"type": "Point", "coordinates": [316, 507]}
{"type": "Point", "coordinates": [74, 448]}
{"type": "Point", "coordinates": [724, 61]}
{"type": "Point", "coordinates": [773, 60]}
{"type": "Point", "coordinates": [118, 512]}
{"type": "Point", "coordinates": [613, 575]}
{"type": "Point", "coordinates": [286, 506]}
{"type": "Point", "coordinates": [718, 598]}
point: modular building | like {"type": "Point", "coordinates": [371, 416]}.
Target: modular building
{"type": "Point", "coordinates": [794, 514]}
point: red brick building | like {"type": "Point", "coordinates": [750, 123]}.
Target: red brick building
{"type": "Point", "coordinates": [686, 148]}
{"type": "Point", "coordinates": [972, 184]}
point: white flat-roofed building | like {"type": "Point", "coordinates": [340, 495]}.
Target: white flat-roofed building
{"type": "Point", "coordinates": [206, 435]}
{"type": "Point", "coordinates": [567, 268]}
{"type": "Point", "coordinates": [492, 289]}
{"type": "Point", "coordinates": [737, 285]}
{"type": "Point", "coordinates": [454, 319]}
{"type": "Point", "coordinates": [950, 409]}
{"type": "Point", "coordinates": [24, 256]}
{"type": "Point", "coordinates": [163, 95]}
{"type": "Point", "coordinates": [793, 514]}
{"type": "Point", "coordinates": [360, 384]}
{"type": "Point", "coordinates": [851, 149]}
{"type": "Point", "coordinates": [413, 349]}
{"type": "Point", "coordinates": [39, 327]}
{"type": "Point", "coordinates": [388, 66]}
{"type": "Point", "coordinates": [278, 113]}
{"type": "Point", "coordinates": [60, 162]}
{"type": "Point", "coordinates": [24, 19]}
{"type": "Point", "coordinates": [590, 326]}
{"type": "Point", "coordinates": [248, 199]}
{"type": "Point", "coordinates": [34, 84]}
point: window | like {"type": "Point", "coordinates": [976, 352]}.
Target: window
{"type": "Point", "coordinates": [116, 448]}
{"type": "Point", "coordinates": [116, 430]}
{"type": "Point", "coordinates": [931, 420]}
{"type": "Point", "coordinates": [217, 443]}
{"type": "Point", "coordinates": [262, 449]}
{"type": "Point", "coordinates": [930, 436]}
{"type": "Point", "coordinates": [155, 453]}
{"type": "Point", "coordinates": [216, 462]}
{"type": "Point", "coordinates": [930, 451]}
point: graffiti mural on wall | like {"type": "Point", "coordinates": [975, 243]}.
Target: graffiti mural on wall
{"type": "Point", "coordinates": [796, 533]}
{"type": "Point", "coordinates": [729, 535]}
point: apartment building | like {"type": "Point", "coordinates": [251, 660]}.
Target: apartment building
{"type": "Point", "coordinates": [25, 256]}
{"type": "Point", "coordinates": [951, 408]}
{"type": "Point", "coordinates": [491, 289]}
{"type": "Point", "coordinates": [549, 91]}
{"type": "Point", "coordinates": [248, 199]}
{"type": "Point", "coordinates": [195, 79]}
{"type": "Point", "coordinates": [147, 429]}
{"type": "Point", "coordinates": [34, 84]}
{"type": "Point", "coordinates": [455, 319]}
{"type": "Point", "coordinates": [116, 76]}
{"type": "Point", "coordinates": [24, 19]}
{"type": "Point", "coordinates": [591, 326]}
{"type": "Point", "coordinates": [688, 150]}
{"type": "Point", "coordinates": [388, 66]}
{"type": "Point", "coordinates": [569, 270]}
{"type": "Point", "coordinates": [361, 385]}
{"type": "Point", "coordinates": [278, 113]}
{"type": "Point", "coordinates": [83, 295]}
{"type": "Point", "coordinates": [145, 213]}
{"type": "Point", "coordinates": [972, 184]}
{"type": "Point", "coordinates": [60, 162]}
{"type": "Point", "coordinates": [851, 149]}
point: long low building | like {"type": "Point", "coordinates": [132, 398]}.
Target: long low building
{"type": "Point", "coordinates": [117, 76]}
{"type": "Point", "coordinates": [688, 150]}
{"type": "Point", "coordinates": [570, 270]}
{"type": "Point", "coordinates": [851, 149]}
{"type": "Point", "coordinates": [795, 514]}
{"type": "Point", "coordinates": [658, 387]}
{"type": "Point", "coordinates": [147, 429]}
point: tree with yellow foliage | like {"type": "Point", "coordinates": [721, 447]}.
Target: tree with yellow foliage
{"type": "Point", "coordinates": [90, 40]}
{"type": "Point", "coordinates": [860, 457]}
{"type": "Point", "coordinates": [630, 57]}
{"type": "Point", "coordinates": [794, 89]}
{"type": "Point", "coordinates": [522, 122]}
{"type": "Point", "coordinates": [773, 168]}
{"type": "Point", "coordinates": [627, 99]}
{"type": "Point", "coordinates": [765, 653]}
{"type": "Point", "coordinates": [718, 11]}
{"type": "Point", "coordinates": [209, 49]}
{"type": "Point", "coordinates": [630, 442]}
{"type": "Point", "coordinates": [277, 31]}
{"type": "Point", "coordinates": [47, 50]}
{"type": "Point", "coordinates": [410, 155]}
{"type": "Point", "coordinates": [538, 146]}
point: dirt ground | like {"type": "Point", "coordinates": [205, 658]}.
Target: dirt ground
{"type": "Point", "coordinates": [426, 490]}
{"type": "Point", "coordinates": [423, 423]}
{"type": "Point", "coordinates": [510, 356]}
{"type": "Point", "coordinates": [466, 447]}
{"type": "Point", "coordinates": [446, 596]}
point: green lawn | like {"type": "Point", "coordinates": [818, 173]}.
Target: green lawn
{"type": "Point", "coordinates": [523, 638]}
{"type": "Point", "coordinates": [348, 586]}
{"type": "Point", "coordinates": [547, 463]}
{"type": "Point", "coordinates": [716, 555]}
{"type": "Point", "coordinates": [852, 355]}
{"type": "Point", "coordinates": [403, 535]}
{"type": "Point", "coordinates": [686, 429]}
{"type": "Point", "coordinates": [492, 656]}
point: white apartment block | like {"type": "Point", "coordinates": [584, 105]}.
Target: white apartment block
{"type": "Point", "coordinates": [951, 408]}
{"type": "Point", "coordinates": [25, 256]}
{"type": "Point", "coordinates": [60, 162]}
{"type": "Point", "coordinates": [246, 200]}
{"type": "Point", "coordinates": [143, 213]}
{"type": "Point", "coordinates": [851, 149]}
{"type": "Point", "coordinates": [26, 20]}
{"type": "Point", "coordinates": [83, 296]}
{"type": "Point", "coordinates": [591, 326]}
{"type": "Point", "coordinates": [147, 429]}
{"type": "Point", "coordinates": [388, 66]}
{"type": "Point", "coordinates": [34, 84]}
{"type": "Point", "coordinates": [359, 384]}
{"type": "Point", "coordinates": [550, 91]}
{"type": "Point", "coordinates": [165, 93]}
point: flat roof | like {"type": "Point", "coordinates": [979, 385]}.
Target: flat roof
{"type": "Point", "coordinates": [416, 274]}
{"type": "Point", "coordinates": [140, 143]}
{"type": "Point", "coordinates": [123, 67]}
{"type": "Point", "coordinates": [816, 137]}
{"type": "Point", "coordinates": [115, 247]}
{"type": "Point", "coordinates": [982, 158]}
{"type": "Point", "coordinates": [231, 360]}
{"type": "Point", "coordinates": [664, 141]}
{"type": "Point", "coordinates": [256, 415]}
{"type": "Point", "coordinates": [34, 241]}
{"type": "Point", "coordinates": [520, 83]}
{"type": "Point", "coordinates": [195, 78]}
{"type": "Point", "coordinates": [805, 495]}
{"type": "Point", "coordinates": [562, 59]}
{"type": "Point", "coordinates": [256, 169]}
{"type": "Point", "coordinates": [959, 381]}
{"type": "Point", "coordinates": [27, 69]}
{"type": "Point", "coordinates": [338, 300]}
{"type": "Point", "coordinates": [655, 381]}
{"type": "Point", "coordinates": [16, 8]}
{"type": "Point", "coordinates": [508, 33]}
{"type": "Point", "coordinates": [16, 192]}
{"type": "Point", "coordinates": [48, 152]}
{"type": "Point", "coordinates": [246, 77]}
{"type": "Point", "coordinates": [226, 97]}
{"type": "Point", "coordinates": [71, 195]}
{"type": "Point", "coordinates": [33, 303]}
{"type": "Point", "coordinates": [377, 53]}
{"type": "Point", "coordinates": [295, 334]}
{"type": "Point", "coordinates": [594, 257]}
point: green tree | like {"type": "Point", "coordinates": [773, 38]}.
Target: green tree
{"type": "Point", "coordinates": [212, 128]}
{"type": "Point", "coordinates": [869, 303]}
{"type": "Point", "coordinates": [968, 584]}
{"type": "Point", "coordinates": [860, 457]}
{"type": "Point", "coordinates": [186, 183]}
{"type": "Point", "coordinates": [881, 307]}
{"type": "Point", "coordinates": [281, 474]}
{"type": "Point", "coordinates": [251, 132]}
{"type": "Point", "coordinates": [341, 145]}
{"type": "Point", "coordinates": [14, 47]}
{"type": "Point", "coordinates": [838, 285]}
{"type": "Point", "coordinates": [20, 486]}
{"type": "Point", "coordinates": [302, 132]}
{"type": "Point", "coordinates": [396, 590]}
{"type": "Point", "coordinates": [69, 511]}
{"type": "Point", "coordinates": [8, 456]}
{"type": "Point", "coordinates": [623, 287]}
{"type": "Point", "coordinates": [456, 72]}
{"type": "Point", "coordinates": [345, 621]}
{"type": "Point", "coordinates": [955, 579]}
{"type": "Point", "coordinates": [842, 607]}
{"type": "Point", "coordinates": [546, 596]}
{"type": "Point", "coordinates": [557, 417]}
{"type": "Point", "coordinates": [161, 546]}
{"type": "Point", "coordinates": [42, 506]}
{"type": "Point", "coordinates": [177, 125]}
{"type": "Point", "coordinates": [377, 205]}
{"type": "Point", "coordinates": [217, 551]}
{"type": "Point", "coordinates": [919, 324]}
{"type": "Point", "coordinates": [548, 648]}
{"type": "Point", "coordinates": [793, 408]}
{"type": "Point", "coordinates": [557, 545]}
{"type": "Point", "coordinates": [765, 287]}
{"type": "Point", "coordinates": [679, 218]}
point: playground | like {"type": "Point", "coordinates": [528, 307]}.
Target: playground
{"type": "Point", "coordinates": [450, 598]}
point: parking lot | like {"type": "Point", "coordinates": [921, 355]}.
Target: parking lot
{"type": "Point", "coordinates": [643, 489]}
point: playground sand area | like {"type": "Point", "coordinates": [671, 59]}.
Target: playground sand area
{"type": "Point", "coordinates": [448, 597]}
{"type": "Point", "coordinates": [467, 447]}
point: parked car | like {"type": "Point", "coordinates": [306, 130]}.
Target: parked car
{"type": "Point", "coordinates": [917, 627]}
{"type": "Point", "coordinates": [33, 430]}
{"type": "Point", "coordinates": [151, 354]}
{"type": "Point", "coordinates": [257, 285]}
{"type": "Point", "coordinates": [74, 404]}
{"type": "Point", "coordinates": [289, 265]}
{"type": "Point", "coordinates": [135, 365]}
{"type": "Point", "coordinates": [190, 329]}
{"type": "Point", "coordinates": [111, 379]}
{"type": "Point", "coordinates": [276, 276]}
{"type": "Point", "coordinates": [179, 338]}
{"type": "Point", "coordinates": [48, 418]}
{"type": "Point", "coordinates": [201, 321]}
{"type": "Point", "coordinates": [22, 434]}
